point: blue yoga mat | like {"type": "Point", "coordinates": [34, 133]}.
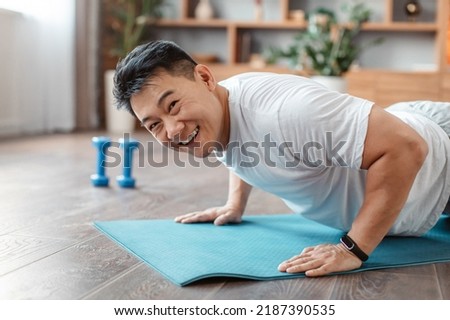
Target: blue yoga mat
{"type": "Point", "coordinates": [185, 253]}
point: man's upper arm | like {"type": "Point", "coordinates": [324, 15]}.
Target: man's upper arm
{"type": "Point", "coordinates": [388, 134]}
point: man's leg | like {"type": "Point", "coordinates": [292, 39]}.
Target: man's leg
{"type": "Point", "coordinates": [447, 207]}
{"type": "Point", "coordinates": [438, 112]}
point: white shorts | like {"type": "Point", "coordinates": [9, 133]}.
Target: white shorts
{"type": "Point", "coordinates": [438, 112]}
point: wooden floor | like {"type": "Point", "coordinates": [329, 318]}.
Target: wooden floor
{"type": "Point", "coordinates": [49, 248]}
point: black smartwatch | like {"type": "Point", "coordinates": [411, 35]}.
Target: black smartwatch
{"type": "Point", "coordinates": [351, 246]}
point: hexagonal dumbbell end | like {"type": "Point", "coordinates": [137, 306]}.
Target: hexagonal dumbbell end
{"type": "Point", "coordinates": [102, 144]}
{"type": "Point", "coordinates": [126, 180]}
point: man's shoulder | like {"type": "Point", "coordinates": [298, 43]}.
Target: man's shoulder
{"type": "Point", "coordinates": [264, 83]}
{"type": "Point", "coordinates": [242, 77]}
{"type": "Point", "coordinates": [259, 75]}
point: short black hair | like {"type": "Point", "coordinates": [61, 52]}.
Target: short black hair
{"type": "Point", "coordinates": [147, 61]}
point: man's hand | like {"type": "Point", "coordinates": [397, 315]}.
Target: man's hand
{"type": "Point", "coordinates": [219, 215]}
{"type": "Point", "coordinates": [321, 260]}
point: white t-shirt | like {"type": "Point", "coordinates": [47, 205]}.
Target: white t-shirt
{"type": "Point", "coordinates": [293, 138]}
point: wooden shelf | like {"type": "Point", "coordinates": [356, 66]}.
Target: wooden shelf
{"type": "Point", "coordinates": [401, 26]}
{"type": "Point", "coordinates": [282, 25]}
{"type": "Point", "coordinates": [292, 25]}
{"type": "Point", "coordinates": [220, 23]}
{"type": "Point", "coordinates": [191, 22]}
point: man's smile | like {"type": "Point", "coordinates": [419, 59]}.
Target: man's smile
{"type": "Point", "coordinates": [190, 137]}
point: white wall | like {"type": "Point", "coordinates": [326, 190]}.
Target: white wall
{"type": "Point", "coordinates": [37, 86]}
{"type": "Point", "coordinates": [9, 117]}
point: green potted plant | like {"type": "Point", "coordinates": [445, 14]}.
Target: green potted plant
{"type": "Point", "coordinates": [326, 47]}
{"type": "Point", "coordinates": [129, 24]}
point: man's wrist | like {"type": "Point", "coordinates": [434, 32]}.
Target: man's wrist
{"type": "Point", "coordinates": [235, 205]}
{"type": "Point", "coordinates": [352, 247]}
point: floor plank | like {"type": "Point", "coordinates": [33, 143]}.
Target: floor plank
{"type": "Point", "coordinates": [18, 251]}
{"type": "Point", "coordinates": [443, 276]}
{"type": "Point", "coordinates": [68, 274]}
{"type": "Point", "coordinates": [144, 283]}
{"type": "Point", "coordinates": [289, 289]}
{"type": "Point", "coordinates": [415, 283]}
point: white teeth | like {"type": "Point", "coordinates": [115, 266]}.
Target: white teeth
{"type": "Point", "coordinates": [190, 137]}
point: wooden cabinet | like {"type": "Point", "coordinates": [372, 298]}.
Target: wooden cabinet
{"type": "Point", "coordinates": [445, 87]}
{"type": "Point", "coordinates": [386, 87]}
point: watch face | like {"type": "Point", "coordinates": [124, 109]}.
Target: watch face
{"type": "Point", "coordinates": [347, 243]}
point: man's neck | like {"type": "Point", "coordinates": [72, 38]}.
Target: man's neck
{"type": "Point", "coordinates": [222, 94]}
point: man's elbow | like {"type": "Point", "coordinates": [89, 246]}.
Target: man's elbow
{"type": "Point", "coordinates": [417, 150]}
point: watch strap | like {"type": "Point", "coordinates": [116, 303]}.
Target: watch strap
{"type": "Point", "coordinates": [351, 246]}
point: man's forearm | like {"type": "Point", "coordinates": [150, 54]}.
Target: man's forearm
{"type": "Point", "coordinates": [238, 192]}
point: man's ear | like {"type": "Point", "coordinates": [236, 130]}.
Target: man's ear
{"type": "Point", "coordinates": [205, 74]}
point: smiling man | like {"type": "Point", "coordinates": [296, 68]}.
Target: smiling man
{"type": "Point", "coordinates": [334, 158]}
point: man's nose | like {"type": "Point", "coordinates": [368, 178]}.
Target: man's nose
{"type": "Point", "coordinates": [174, 128]}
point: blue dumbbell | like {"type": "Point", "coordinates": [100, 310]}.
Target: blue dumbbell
{"type": "Point", "coordinates": [101, 144]}
{"type": "Point", "coordinates": [126, 180]}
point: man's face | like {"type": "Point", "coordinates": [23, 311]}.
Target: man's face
{"type": "Point", "coordinates": [186, 115]}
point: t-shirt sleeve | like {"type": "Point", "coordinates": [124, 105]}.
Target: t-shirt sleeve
{"type": "Point", "coordinates": [324, 128]}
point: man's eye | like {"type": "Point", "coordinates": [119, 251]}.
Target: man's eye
{"type": "Point", "coordinates": [172, 105]}
{"type": "Point", "coordinates": [153, 126]}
